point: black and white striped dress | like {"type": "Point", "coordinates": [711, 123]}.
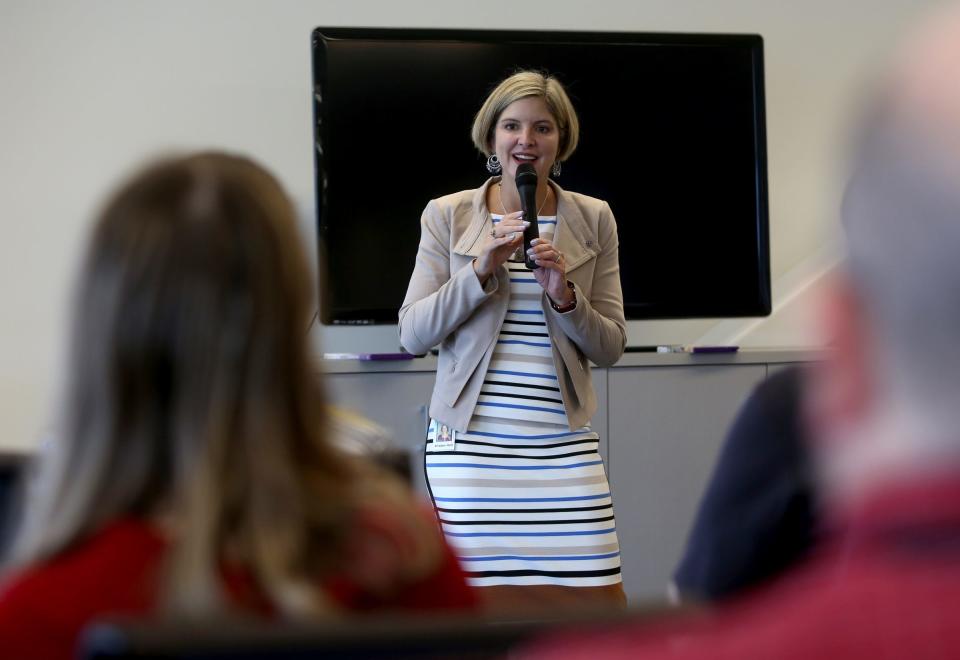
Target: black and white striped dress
{"type": "Point", "coordinates": [521, 498]}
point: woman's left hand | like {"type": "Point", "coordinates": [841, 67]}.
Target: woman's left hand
{"type": "Point", "coordinates": [552, 274]}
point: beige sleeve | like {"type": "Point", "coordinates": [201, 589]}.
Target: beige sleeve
{"type": "Point", "coordinates": [597, 326]}
{"type": "Point", "coordinates": [438, 301]}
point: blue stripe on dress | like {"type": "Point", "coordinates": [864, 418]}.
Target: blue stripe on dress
{"type": "Point", "coordinates": [486, 466]}
{"type": "Point", "coordinates": [548, 558]}
{"type": "Point", "coordinates": [520, 373]}
{"type": "Point", "coordinates": [523, 343]}
{"type": "Point", "coordinates": [522, 499]}
{"type": "Point", "coordinates": [587, 532]}
{"type": "Point", "coordinates": [516, 406]}
{"type": "Point", "coordinates": [547, 436]}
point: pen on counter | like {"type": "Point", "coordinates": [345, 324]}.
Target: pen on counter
{"type": "Point", "coordinates": [661, 348]}
{"type": "Point", "coordinates": [368, 356]}
{"type": "Point", "coordinates": [341, 356]}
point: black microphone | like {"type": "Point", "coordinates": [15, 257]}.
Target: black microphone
{"type": "Point", "coordinates": [526, 181]}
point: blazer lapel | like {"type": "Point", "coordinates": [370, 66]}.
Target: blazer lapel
{"type": "Point", "coordinates": [572, 237]}
{"type": "Point", "coordinates": [471, 241]}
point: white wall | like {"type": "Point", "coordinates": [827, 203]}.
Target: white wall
{"type": "Point", "coordinates": [88, 89]}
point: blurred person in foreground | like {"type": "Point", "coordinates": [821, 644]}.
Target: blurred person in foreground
{"type": "Point", "coordinates": [757, 516]}
{"type": "Point", "coordinates": [194, 474]}
{"type": "Point", "coordinates": [884, 410]}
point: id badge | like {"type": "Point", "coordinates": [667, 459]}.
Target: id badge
{"type": "Point", "coordinates": [446, 437]}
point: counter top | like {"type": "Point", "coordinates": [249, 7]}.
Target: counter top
{"type": "Point", "coordinates": [743, 356]}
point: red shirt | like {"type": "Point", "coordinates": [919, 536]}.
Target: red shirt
{"type": "Point", "coordinates": [887, 587]}
{"type": "Point", "coordinates": [116, 572]}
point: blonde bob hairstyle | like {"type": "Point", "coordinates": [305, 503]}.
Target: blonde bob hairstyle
{"type": "Point", "coordinates": [521, 85]}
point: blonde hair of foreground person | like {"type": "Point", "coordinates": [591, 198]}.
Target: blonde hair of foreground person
{"type": "Point", "coordinates": [192, 400]}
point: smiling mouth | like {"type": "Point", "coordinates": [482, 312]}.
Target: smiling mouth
{"type": "Point", "coordinates": [525, 158]}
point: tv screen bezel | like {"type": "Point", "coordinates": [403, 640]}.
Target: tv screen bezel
{"type": "Point", "coordinates": [761, 306]}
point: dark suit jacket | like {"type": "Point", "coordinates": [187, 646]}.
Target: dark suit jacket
{"type": "Point", "coordinates": [756, 517]}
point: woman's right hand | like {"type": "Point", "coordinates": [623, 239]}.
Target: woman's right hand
{"type": "Point", "coordinates": [502, 241]}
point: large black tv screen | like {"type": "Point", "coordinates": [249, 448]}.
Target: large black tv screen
{"type": "Point", "coordinates": [672, 136]}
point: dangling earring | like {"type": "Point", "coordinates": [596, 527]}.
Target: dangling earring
{"type": "Point", "coordinates": [493, 164]}
{"type": "Point", "coordinates": [555, 170]}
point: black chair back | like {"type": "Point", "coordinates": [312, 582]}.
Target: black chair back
{"type": "Point", "coordinates": [357, 638]}
{"type": "Point", "coordinates": [12, 469]}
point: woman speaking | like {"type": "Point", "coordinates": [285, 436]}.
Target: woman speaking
{"type": "Point", "coordinates": [512, 463]}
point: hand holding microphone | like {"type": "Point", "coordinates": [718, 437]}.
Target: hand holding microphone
{"type": "Point", "coordinates": [546, 262]}
{"type": "Point", "coordinates": [539, 255]}
{"type": "Point", "coordinates": [504, 240]}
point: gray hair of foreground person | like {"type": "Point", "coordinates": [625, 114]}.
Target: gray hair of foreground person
{"type": "Point", "coordinates": [900, 286]}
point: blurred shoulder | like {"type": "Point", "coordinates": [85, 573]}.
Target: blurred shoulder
{"type": "Point", "coordinates": [389, 516]}
{"type": "Point", "coordinates": [121, 550]}
{"type": "Point", "coordinates": [395, 554]}
{"type": "Point", "coordinates": [114, 571]}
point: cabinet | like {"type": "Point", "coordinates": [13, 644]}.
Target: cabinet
{"type": "Point", "coordinates": [661, 419]}
{"type": "Point", "coordinates": [666, 427]}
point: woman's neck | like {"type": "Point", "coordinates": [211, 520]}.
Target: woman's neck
{"type": "Point", "coordinates": [508, 197]}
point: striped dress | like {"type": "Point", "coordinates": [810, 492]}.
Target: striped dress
{"type": "Point", "coordinates": [522, 499]}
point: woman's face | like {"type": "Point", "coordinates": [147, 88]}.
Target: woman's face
{"type": "Point", "coordinates": [526, 132]}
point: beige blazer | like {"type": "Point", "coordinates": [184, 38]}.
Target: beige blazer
{"type": "Point", "coordinates": [446, 305]}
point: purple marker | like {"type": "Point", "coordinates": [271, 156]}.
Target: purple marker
{"type": "Point", "coordinates": [714, 349]}
{"type": "Point", "coordinates": [387, 356]}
